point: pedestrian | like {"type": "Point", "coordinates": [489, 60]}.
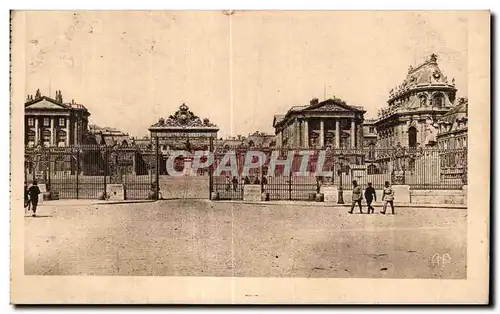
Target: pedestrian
{"type": "Point", "coordinates": [228, 183]}
{"type": "Point", "coordinates": [26, 197]}
{"type": "Point", "coordinates": [388, 197]}
{"type": "Point", "coordinates": [235, 183]}
{"type": "Point", "coordinates": [33, 192]}
{"type": "Point", "coordinates": [246, 180]}
{"type": "Point", "coordinates": [356, 196]}
{"type": "Point", "coordinates": [370, 195]}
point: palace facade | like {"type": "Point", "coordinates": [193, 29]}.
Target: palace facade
{"type": "Point", "coordinates": [329, 123]}
{"type": "Point", "coordinates": [415, 107]}
{"type": "Point", "coordinates": [452, 127]}
{"type": "Point", "coordinates": [51, 122]}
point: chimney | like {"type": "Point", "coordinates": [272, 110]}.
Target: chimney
{"type": "Point", "coordinates": [314, 101]}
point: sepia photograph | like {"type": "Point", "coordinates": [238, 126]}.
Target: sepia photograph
{"type": "Point", "coordinates": [250, 156]}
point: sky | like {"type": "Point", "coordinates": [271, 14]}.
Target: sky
{"type": "Point", "coordinates": [129, 68]}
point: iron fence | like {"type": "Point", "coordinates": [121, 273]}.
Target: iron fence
{"type": "Point", "coordinates": [87, 171]}
{"type": "Point", "coordinates": [421, 169]}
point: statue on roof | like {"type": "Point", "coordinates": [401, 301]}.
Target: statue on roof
{"type": "Point", "coordinates": [410, 68]}
{"type": "Point", "coordinates": [453, 82]}
{"type": "Point", "coordinates": [38, 95]}
{"type": "Point", "coordinates": [59, 96]}
{"type": "Point", "coordinates": [433, 57]}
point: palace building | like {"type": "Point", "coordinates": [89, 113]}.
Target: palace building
{"type": "Point", "coordinates": [51, 122]}
{"type": "Point", "coordinates": [329, 123]}
{"type": "Point", "coordinates": [415, 107]}
{"type": "Point", "coordinates": [452, 127]}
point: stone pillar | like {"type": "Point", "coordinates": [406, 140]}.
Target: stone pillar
{"type": "Point", "coordinates": [67, 131]}
{"type": "Point", "coordinates": [75, 133]}
{"type": "Point", "coordinates": [321, 133]}
{"type": "Point", "coordinates": [353, 133]}
{"type": "Point", "coordinates": [297, 133]}
{"type": "Point", "coordinates": [52, 131]}
{"type": "Point", "coordinates": [36, 131]}
{"type": "Point", "coordinates": [337, 133]}
{"type": "Point", "coordinates": [306, 134]}
{"type": "Point", "coordinates": [360, 141]}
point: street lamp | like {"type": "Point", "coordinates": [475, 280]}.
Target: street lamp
{"type": "Point", "coordinates": [339, 172]}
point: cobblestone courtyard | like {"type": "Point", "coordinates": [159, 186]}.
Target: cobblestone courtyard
{"type": "Point", "coordinates": [203, 238]}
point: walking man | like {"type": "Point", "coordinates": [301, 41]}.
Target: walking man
{"type": "Point", "coordinates": [356, 196]}
{"type": "Point", "coordinates": [388, 197]}
{"type": "Point", "coordinates": [33, 192]}
{"type": "Point", "coordinates": [235, 183]}
{"type": "Point", "coordinates": [370, 195]}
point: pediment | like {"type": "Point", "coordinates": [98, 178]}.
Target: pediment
{"type": "Point", "coordinates": [45, 104]}
{"type": "Point", "coordinates": [332, 106]}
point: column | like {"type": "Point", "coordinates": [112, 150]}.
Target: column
{"type": "Point", "coordinates": [52, 129]}
{"type": "Point", "coordinates": [306, 134]}
{"type": "Point", "coordinates": [353, 133]}
{"type": "Point", "coordinates": [297, 133]}
{"type": "Point", "coordinates": [75, 133]}
{"type": "Point", "coordinates": [337, 133]}
{"type": "Point", "coordinates": [321, 133]}
{"type": "Point", "coordinates": [67, 131]}
{"type": "Point", "coordinates": [36, 131]}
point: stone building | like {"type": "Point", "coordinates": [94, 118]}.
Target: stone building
{"type": "Point", "coordinates": [369, 140]}
{"type": "Point", "coordinates": [51, 122]}
{"type": "Point", "coordinates": [415, 107]}
{"type": "Point", "coordinates": [109, 136]}
{"type": "Point", "coordinates": [452, 140]}
{"type": "Point", "coordinates": [330, 123]}
{"type": "Point", "coordinates": [254, 140]}
{"type": "Point", "coordinates": [452, 127]}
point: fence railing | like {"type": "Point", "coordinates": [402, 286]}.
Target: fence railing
{"type": "Point", "coordinates": [86, 171]}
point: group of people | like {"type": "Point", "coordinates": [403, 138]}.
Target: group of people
{"type": "Point", "coordinates": [370, 196]}
{"type": "Point", "coordinates": [31, 197]}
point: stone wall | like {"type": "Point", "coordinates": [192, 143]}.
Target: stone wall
{"type": "Point", "coordinates": [438, 197]}
{"type": "Point", "coordinates": [431, 197]}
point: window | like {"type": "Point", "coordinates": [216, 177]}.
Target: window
{"type": "Point", "coordinates": [46, 122]}
{"type": "Point", "coordinates": [31, 122]}
{"type": "Point", "coordinates": [372, 129]}
{"type": "Point", "coordinates": [62, 121]}
{"type": "Point", "coordinates": [438, 100]}
{"type": "Point", "coordinates": [412, 137]}
{"type": "Point", "coordinates": [423, 101]}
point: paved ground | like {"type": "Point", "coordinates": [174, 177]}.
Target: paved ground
{"type": "Point", "coordinates": [201, 238]}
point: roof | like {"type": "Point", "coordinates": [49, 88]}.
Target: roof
{"type": "Point", "coordinates": [427, 74]}
{"type": "Point", "coordinates": [328, 105]}
{"type": "Point", "coordinates": [333, 104]}
{"type": "Point", "coordinates": [45, 102]}
{"type": "Point", "coordinates": [456, 113]}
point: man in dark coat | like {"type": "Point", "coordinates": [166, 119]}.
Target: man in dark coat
{"type": "Point", "coordinates": [370, 195]}
{"type": "Point", "coordinates": [33, 192]}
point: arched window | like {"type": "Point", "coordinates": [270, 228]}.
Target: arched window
{"type": "Point", "coordinates": [438, 100]}
{"type": "Point", "coordinates": [412, 137]}
{"type": "Point", "coordinates": [422, 101]}
{"type": "Point", "coordinates": [371, 152]}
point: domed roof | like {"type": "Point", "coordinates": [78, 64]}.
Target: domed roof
{"type": "Point", "coordinates": [427, 74]}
